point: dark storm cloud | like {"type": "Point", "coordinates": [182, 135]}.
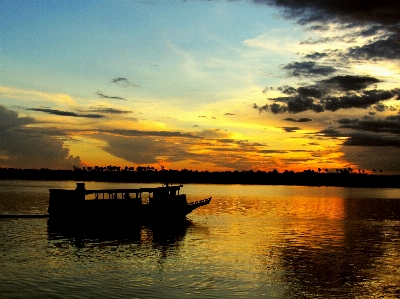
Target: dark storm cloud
{"type": "Point", "coordinates": [287, 90]}
{"type": "Point", "coordinates": [275, 108]}
{"type": "Point", "coordinates": [103, 96]}
{"type": "Point", "coordinates": [10, 119]}
{"type": "Point", "coordinates": [379, 45]}
{"type": "Point", "coordinates": [388, 48]}
{"type": "Point", "coordinates": [300, 120]}
{"type": "Point", "coordinates": [309, 92]}
{"type": "Point", "coordinates": [349, 82]}
{"type": "Point", "coordinates": [373, 157]}
{"type": "Point", "coordinates": [351, 32]}
{"type": "Point", "coordinates": [295, 104]}
{"type": "Point", "coordinates": [389, 124]}
{"type": "Point", "coordinates": [65, 113]}
{"type": "Point", "coordinates": [359, 11]}
{"type": "Point", "coordinates": [364, 100]}
{"type": "Point", "coordinates": [372, 140]}
{"type": "Point", "coordinates": [371, 30]}
{"type": "Point", "coordinates": [29, 147]}
{"type": "Point", "coordinates": [49, 132]}
{"type": "Point", "coordinates": [376, 17]}
{"type": "Point", "coordinates": [307, 69]}
{"type": "Point", "coordinates": [324, 96]}
{"type": "Point", "coordinates": [366, 132]}
{"type": "Point", "coordinates": [299, 104]}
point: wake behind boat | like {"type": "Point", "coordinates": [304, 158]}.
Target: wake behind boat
{"type": "Point", "coordinates": [163, 204]}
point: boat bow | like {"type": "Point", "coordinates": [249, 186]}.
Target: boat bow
{"type": "Point", "coordinates": [194, 205]}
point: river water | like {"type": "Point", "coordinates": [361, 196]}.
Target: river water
{"type": "Point", "coordinates": [249, 242]}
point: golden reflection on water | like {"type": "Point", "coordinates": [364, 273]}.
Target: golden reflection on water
{"type": "Point", "coordinates": [309, 239]}
{"type": "Point", "coordinates": [263, 213]}
{"type": "Point", "coordinates": [250, 241]}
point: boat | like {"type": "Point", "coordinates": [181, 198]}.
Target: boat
{"type": "Point", "coordinates": [163, 203]}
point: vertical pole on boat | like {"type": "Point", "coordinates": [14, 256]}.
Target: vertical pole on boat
{"type": "Point", "coordinates": [80, 189]}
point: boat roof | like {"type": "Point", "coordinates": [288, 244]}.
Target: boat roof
{"type": "Point", "coordinates": [126, 190]}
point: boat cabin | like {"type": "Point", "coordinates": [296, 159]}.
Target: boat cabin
{"type": "Point", "coordinates": [63, 201]}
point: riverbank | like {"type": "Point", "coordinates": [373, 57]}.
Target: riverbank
{"type": "Point", "coordinates": [307, 178]}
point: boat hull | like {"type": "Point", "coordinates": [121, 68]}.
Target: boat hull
{"type": "Point", "coordinates": [123, 211]}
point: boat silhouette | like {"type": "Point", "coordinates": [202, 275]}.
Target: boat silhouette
{"type": "Point", "coordinates": [123, 205]}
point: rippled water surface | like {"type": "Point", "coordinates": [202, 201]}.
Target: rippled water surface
{"type": "Point", "coordinates": [250, 241]}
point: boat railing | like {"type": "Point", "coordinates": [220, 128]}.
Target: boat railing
{"type": "Point", "coordinates": [111, 194]}
{"type": "Point", "coordinates": [200, 202]}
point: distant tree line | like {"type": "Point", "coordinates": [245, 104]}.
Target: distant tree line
{"type": "Point", "coordinates": [150, 168]}
{"type": "Point", "coordinates": [342, 177]}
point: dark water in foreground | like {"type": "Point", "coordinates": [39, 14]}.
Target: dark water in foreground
{"type": "Point", "coordinates": [251, 241]}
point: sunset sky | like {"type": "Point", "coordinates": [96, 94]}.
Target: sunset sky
{"type": "Point", "coordinates": [201, 85]}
